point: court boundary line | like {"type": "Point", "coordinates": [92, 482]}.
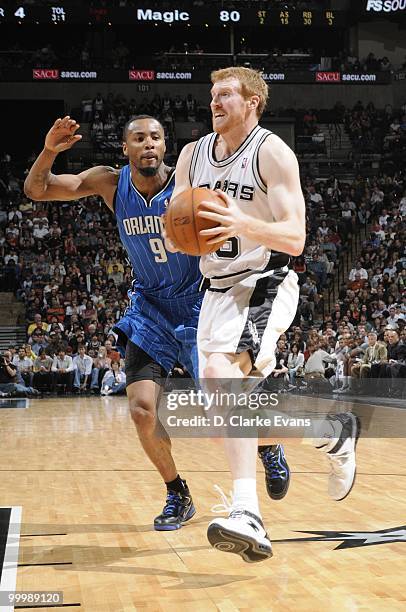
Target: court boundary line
{"type": "Point", "coordinates": [10, 564]}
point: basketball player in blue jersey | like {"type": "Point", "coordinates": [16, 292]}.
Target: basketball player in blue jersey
{"type": "Point", "coordinates": [160, 325]}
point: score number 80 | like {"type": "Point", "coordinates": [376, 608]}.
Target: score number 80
{"type": "Point", "coordinates": [233, 16]}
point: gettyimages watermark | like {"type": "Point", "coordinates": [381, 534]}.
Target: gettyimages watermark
{"type": "Point", "coordinates": [228, 409]}
{"type": "Point", "coordinates": [207, 400]}
{"type": "Point", "coordinates": [245, 408]}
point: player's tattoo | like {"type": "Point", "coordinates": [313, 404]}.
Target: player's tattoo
{"type": "Point", "coordinates": [40, 178]}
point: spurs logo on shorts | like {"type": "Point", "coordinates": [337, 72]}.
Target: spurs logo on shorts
{"type": "Point", "coordinates": [252, 291]}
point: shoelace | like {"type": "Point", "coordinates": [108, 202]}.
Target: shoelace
{"type": "Point", "coordinates": [225, 505]}
{"type": "Point", "coordinates": [172, 503]}
{"type": "Point", "coordinates": [338, 462]}
{"type": "Point", "coordinates": [271, 461]}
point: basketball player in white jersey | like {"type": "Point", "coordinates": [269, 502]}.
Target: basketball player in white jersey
{"type": "Point", "coordinates": [253, 294]}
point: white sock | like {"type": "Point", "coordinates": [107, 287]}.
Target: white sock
{"type": "Point", "coordinates": [327, 433]}
{"type": "Point", "coordinates": [245, 495]}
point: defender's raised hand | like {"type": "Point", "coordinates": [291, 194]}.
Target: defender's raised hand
{"type": "Point", "coordinates": [62, 135]}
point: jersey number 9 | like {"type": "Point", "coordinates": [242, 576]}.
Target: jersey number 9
{"type": "Point", "coordinates": [158, 249]}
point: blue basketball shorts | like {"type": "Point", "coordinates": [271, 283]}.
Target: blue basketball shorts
{"type": "Point", "coordinates": [165, 329]}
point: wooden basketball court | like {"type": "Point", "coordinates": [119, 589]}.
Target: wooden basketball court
{"type": "Point", "coordinates": [89, 495]}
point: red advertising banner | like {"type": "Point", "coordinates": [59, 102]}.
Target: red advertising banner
{"type": "Point", "coordinates": [45, 74]}
{"type": "Point", "coordinates": [141, 75]}
{"type": "Point", "coordinates": [328, 77]}
{"type": "Point", "coordinates": [156, 74]}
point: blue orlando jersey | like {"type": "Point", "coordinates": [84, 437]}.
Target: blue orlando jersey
{"type": "Point", "coordinates": [158, 274]}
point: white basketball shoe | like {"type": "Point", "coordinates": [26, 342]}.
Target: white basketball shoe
{"type": "Point", "coordinates": [342, 457]}
{"type": "Point", "coordinates": [242, 532]}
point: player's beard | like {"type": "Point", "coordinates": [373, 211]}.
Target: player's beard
{"type": "Point", "coordinates": [148, 171]}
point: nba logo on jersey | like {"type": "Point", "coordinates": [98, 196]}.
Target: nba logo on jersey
{"type": "Point", "coordinates": [166, 202]}
{"type": "Point", "coordinates": [244, 162]}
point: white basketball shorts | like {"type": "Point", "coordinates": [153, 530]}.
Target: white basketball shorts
{"type": "Point", "coordinates": [248, 316]}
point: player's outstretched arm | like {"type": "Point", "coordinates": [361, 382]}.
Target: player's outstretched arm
{"type": "Point", "coordinates": [41, 184]}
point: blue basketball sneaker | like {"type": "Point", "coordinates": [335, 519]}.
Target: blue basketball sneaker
{"type": "Point", "coordinates": [277, 473]}
{"type": "Point", "coordinates": [178, 509]}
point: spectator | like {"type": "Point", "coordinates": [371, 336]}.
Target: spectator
{"type": "Point", "coordinates": [94, 344]}
{"type": "Point", "coordinates": [358, 270]}
{"type": "Point", "coordinates": [116, 275]}
{"type": "Point", "coordinates": [357, 283]}
{"type": "Point", "coordinates": [295, 363]}
{"type": "Point", "coordinates": [76, 340]}
{"type": "Point", "coordinates": [376, 354]}
{"type": "Point", "coordinates": [24, 366]}
{"type": "Point", "coordinates": [42, 372]}
{"type": "Point", "coordinates": [110, 352]}
{"type": "Point", "coordinates": [114, 380]}
{"type": "Point", "coordinates": [41, 230]}
{"type": "Point", "coordinates": [9, 384]}
{"type": "Point", "coordinates": [38, 324]}
{"type": "Point", "coordinates": [55, 310]}
{"type": "Point", "coordinates": [114, 264]}
{"type": "Point", "coordinates": [29, 352]}
{"type": "Point", "coordinates": [392, 320]}
{"type": "Point", "coordinates": [54, 343]}
{"type": "Point", "coordinates": [38, 342]}
{"type": "Point", "coordinates": [98, 105]}
{"type": "Point", "coordinates": [395, 367]}
{"type": "Point", "coordinates": [315, 364]}
{"type": "Point", "coordinates": [83, 365]}
{"type": "Point", "coordinates": [315, 196]}
{"type": "Point", "coordinates": [318, 140]}
{"type": "Point", "coordinates": [63, 371]}
{"type": "Point", "coordinates": [87, 106]}
{"type": "Point", "coordinates": [281, 358]}
{"type": "Point", "coordinates": [319, 268]}
{"type": "Point", "coordinates": [101, 364]}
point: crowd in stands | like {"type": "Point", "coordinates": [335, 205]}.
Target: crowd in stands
{"type": "Point", "coordinates": [372, 130]}
{"type": "Point", "coordinates": [65, 263]}
{"type": "Point", "coordinates": [49, 364]}
{"type": "Point", "coordinates": [107, 116]}
{"type": "Point", "coordinates": [350, 63]}
{"type": "Point", "coordinates": [364, 337]}
{"type": "Point", "coordinates": [196, 48]}
{"type": "Point", "coordinates": [191, 56]}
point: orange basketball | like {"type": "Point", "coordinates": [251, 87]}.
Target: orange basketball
{"type": "Point", "coordinates": [182, 223]}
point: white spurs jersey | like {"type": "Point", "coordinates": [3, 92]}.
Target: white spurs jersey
{"type": "Point", "coordinates": [239, 177]}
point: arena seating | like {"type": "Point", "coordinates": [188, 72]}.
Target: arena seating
{"type": "Point", "coordinates": [67, 266]}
